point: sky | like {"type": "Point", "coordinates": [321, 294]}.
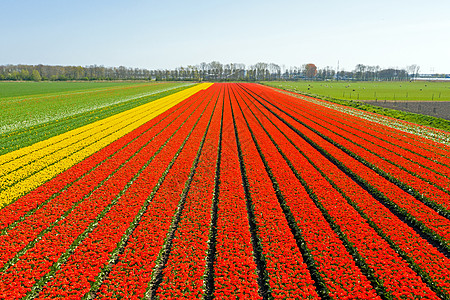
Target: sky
{"type": "Point", "coordinates": [169, 34]}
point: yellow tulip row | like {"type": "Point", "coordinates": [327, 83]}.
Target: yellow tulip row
{"type": "Point", "coordinates": [27, 168]}
{"type": "Point", "coordinates": [64, 144]}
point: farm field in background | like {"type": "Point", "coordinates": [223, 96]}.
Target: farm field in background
{"type": "Point", "coordinates": [25, 120]}
{"type": "Point", "coordinates": [226, 191]}
{"type": "Point", "coordinates": [44, 88]}
{"type": "Point", "coordinates": [370, 90]}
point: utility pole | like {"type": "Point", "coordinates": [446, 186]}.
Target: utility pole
{"type": "Point", "coordinates": [337, 71]}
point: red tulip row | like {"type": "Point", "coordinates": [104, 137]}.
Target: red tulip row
{"type": "Point", "coordinates": [403, 172]}
{"type": "Point", "coordinates": [433, 149]}
{"type": "Point", "coordinates": [425, 259]}
{"type": "Point", "coordinates": [384, 262]}
{"type": "Point", "coordinates": [234, 268]}
{"type": "Point", "coordinates": [183, 274]}
{"type": "Point", "coordinates": [75, 277]}
{"type": "Point", "coordinates": [409, 152]}
{"type": "Point", "coordinates": [384, 136]}
{"type": "Point", "coordinates": [15, 212]}
{"type": "Point", "coordinates": [60, 241]}
{"type": "Point", "coordinates": [390, 164]}
{"type": "Point", "coordinates": [132, 273]}
{"type": "Point", "coordinates": [414, 159]}
{"type": "Point", "coordinates": [338, 274]}
{"type": "Point", "coordinates": [424, 180]}
{"type": "Point", "coordinates": [61, 205]}
{"type": "Point", "coordinates": [288, 275]}
{"type": "Point", "coordinates": [436, 226]}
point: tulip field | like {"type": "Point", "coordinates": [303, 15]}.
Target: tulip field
{"type": "Point", "coordinates": [228, 191]}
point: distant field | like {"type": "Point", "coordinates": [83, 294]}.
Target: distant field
{"type": "Point", "coordinates": [29, 110]}
{"type": "Point", "coordinates": [27, 119]}
{"type": "Point", "coordinates": [14, 89]}
{"type": "Point", "coordinates": [399, 91]}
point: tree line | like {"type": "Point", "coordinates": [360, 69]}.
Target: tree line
{"type": "Point", "coordinates": [213, 71]}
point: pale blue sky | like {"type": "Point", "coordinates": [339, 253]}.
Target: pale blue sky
{"type": "Point", "coordinates": [168, 34]}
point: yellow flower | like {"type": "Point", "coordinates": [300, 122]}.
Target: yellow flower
{"type": "Point", "coordinates": [25, 169]}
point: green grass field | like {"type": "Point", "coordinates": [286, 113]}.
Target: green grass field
{"type": "Point", "coordinates": [27, 88]}
{"type": "Point", "coordinates": [25, 120]}
{"type": "Point", "coordinates": [369, 90]}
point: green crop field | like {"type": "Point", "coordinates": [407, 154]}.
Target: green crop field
{"type": "Point", "coordinates": [27, 119]}
{"type": "Point", "coordinates": [370, 90]}
{"type": "Point", "coordinates": [30, 88]}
